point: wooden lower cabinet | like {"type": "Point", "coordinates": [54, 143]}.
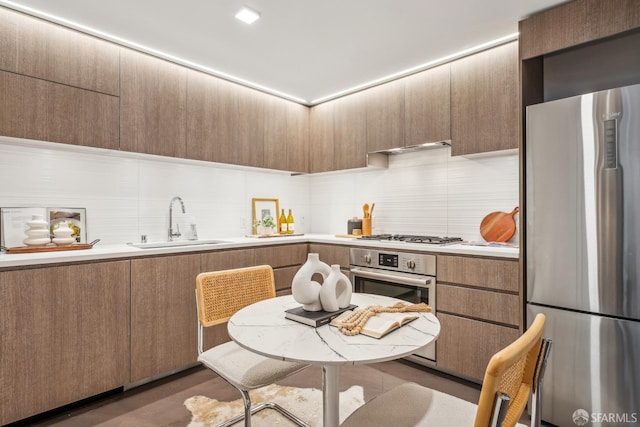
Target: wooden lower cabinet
{"type": "Point", "coordinates": [163, 314]}
{"type": "Point", "coordinates": [64, 335]}
{"type": "Point", "coordinates": [331, 254]}
{"type": "Point", "coordinates": [465, 346]}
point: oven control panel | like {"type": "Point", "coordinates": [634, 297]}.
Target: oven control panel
{"type": "Point", "coordinates": [397, 261]}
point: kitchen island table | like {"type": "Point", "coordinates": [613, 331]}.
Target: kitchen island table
{"type": "Point", "coordinates": [263, 329]}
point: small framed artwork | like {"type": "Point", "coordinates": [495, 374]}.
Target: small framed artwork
{"type": "Point", "coordinates": [13, 224]}
{"type": "Point", "coordinates": [263, 208]}
{"type": "Point", "coordinates": [76, 219]}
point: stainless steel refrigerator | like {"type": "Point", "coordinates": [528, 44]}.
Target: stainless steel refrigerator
{"type": "Point", "coordinates": [583, 253]}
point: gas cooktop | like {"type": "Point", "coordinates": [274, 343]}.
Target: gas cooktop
{"type": "Point", "coordinates": [409, 238]}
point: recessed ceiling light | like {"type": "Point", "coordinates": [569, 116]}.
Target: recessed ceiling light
{"type": "Point", "coordinates": [247, 15]}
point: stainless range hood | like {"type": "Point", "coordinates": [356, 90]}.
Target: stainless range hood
{"type": "Point", "coordinates": [418, 147]}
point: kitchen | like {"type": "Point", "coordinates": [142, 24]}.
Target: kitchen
{"type": "Point", "coordinates": [127, 194]}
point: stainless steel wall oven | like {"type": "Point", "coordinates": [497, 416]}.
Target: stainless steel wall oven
{"type": "Point", "coordinates": [402, 275]}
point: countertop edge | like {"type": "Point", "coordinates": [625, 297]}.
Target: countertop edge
{"type": "Point", "coordinates": [120, 251]}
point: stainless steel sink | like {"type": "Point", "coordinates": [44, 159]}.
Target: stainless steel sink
{"type": "Point", "coordinates": [151, 245]}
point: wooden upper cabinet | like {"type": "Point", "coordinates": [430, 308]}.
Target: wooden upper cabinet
{"type": "Point", "coordinates": [574, 23]}
{"type": "Point", "coordinates": [212, 115]}
{"type": "Point", "coordinates": [321, 146]}
{"type": "Point", "coordinates": [250, 124]}
{"type": "Point", "coordinates": [484, 101]}
{"type": "Point", "coordinates": [36, 48]}
{"type": "Point", "coordinates": [427, 106]}
{"type": "Point", "coordinates": [275, 133]}
{"type": "Point", "coordinates": [46, 111]}
{"type": "Point", "coordinates": [606, 18]}
{"type": "Point", "coordinates": [385, 116]}
{"type": "Point", "coordinates": [8, 40]}
{"type": "Point", "coordinates": [350, 132]}
{"type": "Point", "coordinates": [297, 137]}
{"type": "Point", "coordinates": [152, 105]}
{"type": "Point", "coordinates": [553, 29]}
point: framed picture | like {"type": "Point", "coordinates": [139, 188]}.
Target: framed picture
{"type": "Point", "coordinates": [13, 224]}
{"type": "Point", "coordinates": [263, 208]}
{"type": "Point", "coordinates": [76, 219]}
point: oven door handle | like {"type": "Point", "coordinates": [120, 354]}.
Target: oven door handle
{"type": "Point", "coordinates": [423, 282]}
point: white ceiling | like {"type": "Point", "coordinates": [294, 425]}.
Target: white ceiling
{"type": "Point", "coordinates": [304, 49]}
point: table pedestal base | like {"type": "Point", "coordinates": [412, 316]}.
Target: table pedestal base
{"type": "Point", "coordinates": [330, 396]}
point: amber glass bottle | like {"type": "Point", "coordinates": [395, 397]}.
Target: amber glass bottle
{"type": "Point", "coordinates": [290, 223]}
{"type": "Point", "coordinates": [282, 223]}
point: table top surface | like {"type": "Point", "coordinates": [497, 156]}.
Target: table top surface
{"type": "Point", "coordinates": [262, 328]}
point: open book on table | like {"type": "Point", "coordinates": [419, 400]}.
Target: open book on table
{"type": "Point", "coordinates": [381, 324]}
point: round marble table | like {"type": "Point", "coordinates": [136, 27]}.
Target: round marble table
{"type": "Point", "coordinates": [263, 329]}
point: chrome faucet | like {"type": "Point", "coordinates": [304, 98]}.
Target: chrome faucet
{"type": "Point", "coordinates": [177, 233]}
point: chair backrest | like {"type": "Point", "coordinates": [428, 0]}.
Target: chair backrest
{"type": "Point", "coordinates": [511, 371]}
{"type": "Point", "coordinates": [220, 294]}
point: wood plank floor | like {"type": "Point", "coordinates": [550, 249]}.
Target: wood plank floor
{"type": "Point", "coordinates": [161, 403]}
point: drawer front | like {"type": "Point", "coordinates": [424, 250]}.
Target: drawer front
{"type": "Point", "coordinates": [331, 254]}
{"type": "Point", "coordinates": [481, 272]}
{"type": "Point", "coordinates": [282, 255]}
{"type": "Point", "coordinates": [465, 346]}
{"type": "Point", "coordinates": [492, 306]}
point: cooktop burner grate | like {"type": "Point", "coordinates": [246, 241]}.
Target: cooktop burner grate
{"type": "Point", "coordinates": [409, 238]}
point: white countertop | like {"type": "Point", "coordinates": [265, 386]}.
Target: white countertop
{"type": "Point", "coordinates": [104, 252]}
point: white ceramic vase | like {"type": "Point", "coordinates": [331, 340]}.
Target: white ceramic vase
{"type": "Point", "coordinates": [305, 290]}
{"type": "Point", "coordinates": [38, 232]}
{"type": "Point", "coordinates": [62, 234]}
{"type": "Point", "coordinates": [336, 290]}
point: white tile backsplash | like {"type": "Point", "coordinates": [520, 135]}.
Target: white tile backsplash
{"type": "Point", "coordinates": [425, 192]}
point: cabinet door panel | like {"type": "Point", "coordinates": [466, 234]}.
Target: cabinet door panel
{"type": "Point", "coordinates": [64, 335]}
{"type": "Point", "coordinates": [225, 260]}
{"type": "Point", "coordinates": [465, 346]}
{"type": "Point", "coordinates": [427, 106]}
{"type": "Point", "coordinates": [212, 134]}
{"type": "Point", "coordinates": [322, 153]}
{"type": "Point", "coordinates": [152, 105]}
{"type": "Point", "coordinates": [275, 134]}
{"type": "Point", "coordinates": [487, 273]}
{"type": "Point", "coordinates": [282, 255]}
{"type": "Point", "coordinates": [8, 40]}
{"type": "Point", "coordinates": [297, 137]}
{"type": "Point", "coordinates": [251, 121]}
{"type": "Point", "coordinates": [51, 52]}
{"type": "Point", "coordinates": [484, 101]}
{"type": "Point", "coordinates": [46, 111]}
{"type": "Point", "coordinates": [350, 132]}
{"type": "Point", "coordinates": [385, 116]}
{"type": "Point", "coordinates": [493, 306]}
{"type": "Point", "coordinates": [553, 29]}
{"type": "Point", "coordinates": [331, 254]}
{"type": "Point", "coordinates": [163, 317]}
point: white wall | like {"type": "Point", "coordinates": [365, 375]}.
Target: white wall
{"type": "Point", "coordinates": [127, 195]}
{"type": "Point", "coordinates": [423, 192]}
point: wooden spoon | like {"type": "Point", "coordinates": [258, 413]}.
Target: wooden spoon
{"type": "Point", "coordinates": [365, 209]}
{"type": "Point", "coordinates": [499, 226]}
{"type": "Point", "coordinates": [373, 205]}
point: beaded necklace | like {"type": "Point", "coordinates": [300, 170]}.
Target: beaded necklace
{"type": "Point", "coordinates": [353, 324]}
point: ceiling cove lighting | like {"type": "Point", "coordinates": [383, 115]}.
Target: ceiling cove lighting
{"type": "Point", "coordinates": [247, 15]}
{"type": "Point", "coordinates": [417, 68]}
{"type": "Point", "coordinates": [146, 49]}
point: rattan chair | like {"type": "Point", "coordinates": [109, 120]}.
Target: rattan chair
{"type": "Point", "coordinates": [506, 388]}
{"type": "Point", "coordinates": [219, 295]}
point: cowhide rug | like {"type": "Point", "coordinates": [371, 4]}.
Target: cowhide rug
{"type": "Point", "coordinates": [306, 403]}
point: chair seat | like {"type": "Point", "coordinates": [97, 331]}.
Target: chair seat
{"type": "Point", "coordinates": [410, 405]}
{"type": "Point", "coordinates": [244, 369]}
